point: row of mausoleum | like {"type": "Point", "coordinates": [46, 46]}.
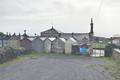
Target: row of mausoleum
{"type": "Point", "coordinates": [53, 45]}
{"type": "Point", "coordinates": [39, 44]}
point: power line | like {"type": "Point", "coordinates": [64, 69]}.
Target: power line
{"type": "Point", "coordinates": [100, 7]}
{"type": "Point", "coordinates": [99, 10]}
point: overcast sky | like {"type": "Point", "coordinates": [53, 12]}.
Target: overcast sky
{"type": "Point", "coordinates": [65, 15]}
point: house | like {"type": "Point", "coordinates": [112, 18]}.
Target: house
{"type": "Point", "coordinates": [68, 45]}
{"type": "Point", "coordinates": [38, 44]}
{"type": "Point", "coordinates": [58, 45]}
{"type": "Point", "coordinates": [115, 40]}
{"type": "Point", "coordinates": [13, 42]}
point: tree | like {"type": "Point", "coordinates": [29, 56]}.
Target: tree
{"type": "Point", "coordinates": [2, 34]}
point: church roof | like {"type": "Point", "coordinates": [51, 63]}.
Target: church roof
{"type": "Point", "coordinates": [51, 31]}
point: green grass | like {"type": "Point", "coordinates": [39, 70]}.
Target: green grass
{"type": "Point", "coordinates": [99, 45]}
{"type": "Point", "coordinates": [117, 73]}
{"type": "Point", "coordinates": [35, 55]}
{"type": "Point", "coordinates": [113, 66]}
{"type": "Point", "coordinates": [23, 57]}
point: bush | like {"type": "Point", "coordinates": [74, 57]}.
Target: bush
{"type": "Point", "coordinates": [8, 53]}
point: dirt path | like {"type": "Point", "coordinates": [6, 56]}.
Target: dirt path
{"type": "Point", "coordinates": [50, 68]}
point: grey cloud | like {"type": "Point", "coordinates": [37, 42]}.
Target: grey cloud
{"type": "Point", "coordinates": [67, 15]}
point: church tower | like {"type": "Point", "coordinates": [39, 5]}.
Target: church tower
{"type": "Point", "coordinates": [91, 25]}
{"type": "Point", "coordinates": [91, 33]}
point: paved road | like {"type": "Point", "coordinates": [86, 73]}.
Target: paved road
{"type": "Point", "coordinates": [50, 68]}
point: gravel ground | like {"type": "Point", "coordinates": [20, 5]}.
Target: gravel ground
{"type": "Point", "coordinates": [53, 68]}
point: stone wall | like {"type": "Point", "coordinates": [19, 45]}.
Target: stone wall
{"type": "Point", "coordinates": [14, 44]}
{"type": "Point", "coordinates": [58, 46]}
{"type": "Point", "coordinates": [8, 53]}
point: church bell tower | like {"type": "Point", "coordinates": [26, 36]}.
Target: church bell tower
{"type": "Point", "coordinates": [91, 25]}
{"type": "Point", "coordinates": [91, 33]}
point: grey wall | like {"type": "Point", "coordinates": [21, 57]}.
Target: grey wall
{"type": "Point", "coordinates": [38, 45]}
